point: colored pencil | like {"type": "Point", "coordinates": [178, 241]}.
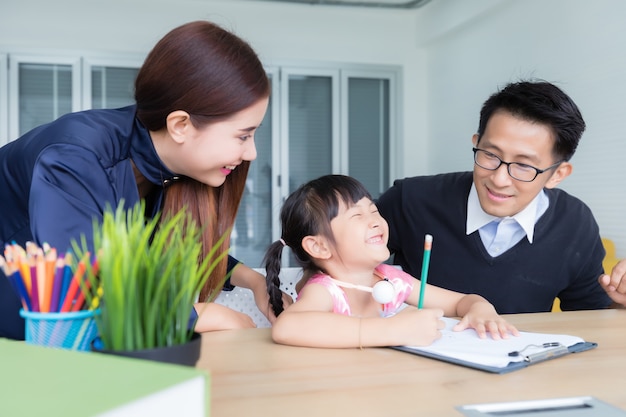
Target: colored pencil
{"type": "Point", "coordinates": [21, 289]}
{"type": "Point", "coordinates": [34, 292]}
{"type": "Point", "coordinates": [15, 279]}
{"type": "Point", "coordinates": [45, 282]}
{"type": "Point", "coordinates": [74, 288]}
{"type": "Point", "coordinates": [17, 255]}
{"type": "Point", "coordinates": [80, 300]}
{"type": "Point", "coordinates": [56, 285]}
{"type": "Point", "coordinates": [50, 258]}
{"type": "Point", "coordinates": [7, 270]}
{"type": "Point", "coordinates": [25, 272]}
{"type": "Point", "coordinates": [67, 278]}
{"type": "Point", "coordinates": [42, 282]}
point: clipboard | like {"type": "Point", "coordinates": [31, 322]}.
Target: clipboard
{"type": "Point", "coordinates": [465, 348]}
{"type": "Point", "coordinates": [512, 366]}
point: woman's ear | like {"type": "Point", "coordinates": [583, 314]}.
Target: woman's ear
{"type": "Point", "coordinates": [316, 246]}
{"type": "Point", "coordinates": [179, 125]}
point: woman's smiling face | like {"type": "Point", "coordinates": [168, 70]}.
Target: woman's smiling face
{"type": "Point", "coordinates": [210, 153]}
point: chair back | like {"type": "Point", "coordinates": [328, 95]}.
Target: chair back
{"type": "Point", "coordinates": [242, 299]}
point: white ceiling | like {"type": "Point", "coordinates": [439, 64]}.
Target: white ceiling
{"type": "Point", "coordinates": [401, 4]}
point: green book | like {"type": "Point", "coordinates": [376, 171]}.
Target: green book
{"type": "Point", "coordinates": [48, 382]}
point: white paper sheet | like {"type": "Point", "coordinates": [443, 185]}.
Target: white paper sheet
{"type": "Point", "coordinates": [467, 346]}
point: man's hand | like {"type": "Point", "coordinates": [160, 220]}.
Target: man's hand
{"type": "Point", "coordinates": [615, 284]}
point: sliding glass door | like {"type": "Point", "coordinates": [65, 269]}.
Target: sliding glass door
{"type": "Point", "coordinates": [320, 122]}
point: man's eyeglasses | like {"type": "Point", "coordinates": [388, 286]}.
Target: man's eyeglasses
{"type": "Point", "coordinates": [518, 171]}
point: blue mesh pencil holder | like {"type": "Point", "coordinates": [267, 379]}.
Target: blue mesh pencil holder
{"type": "Point", "coordinates": [73, 331]}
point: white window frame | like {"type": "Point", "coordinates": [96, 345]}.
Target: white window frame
{"type": "Point", "coordinates": [277, 199]}
{"type": "Point", "coordinates": [285, 73]}
{"type": "Point", "coordinates": [395, 149]}
{"type": "Point", "coordinates": [87, 65]}
{"type": "Point", "coordinates": [14, 63]}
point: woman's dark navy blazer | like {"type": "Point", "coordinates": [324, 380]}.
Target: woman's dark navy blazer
{"type": "Point", "coordinates": [57, 178]}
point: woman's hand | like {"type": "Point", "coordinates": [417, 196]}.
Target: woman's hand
{"type": "Point", "coordinates": [246, 277]}
{"type": "Point", "coordinates": [262, 300]}
{"type": "Point", "coordinates": [213, 316]}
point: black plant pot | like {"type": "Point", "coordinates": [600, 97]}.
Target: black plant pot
{"type": "Point", "coordinates": [186, 354]}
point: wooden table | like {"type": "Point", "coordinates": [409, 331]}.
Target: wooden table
{"type": "Point", "coordinates": [252, 376]}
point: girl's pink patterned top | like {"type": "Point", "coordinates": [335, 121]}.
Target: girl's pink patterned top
{"type": "Point", "coordinates": [402, 282]}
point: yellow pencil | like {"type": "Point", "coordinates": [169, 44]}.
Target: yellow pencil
{"type": "Point", "coordinates": [49, 269]}
{"type": "Point", "coordinates": [19, 257]}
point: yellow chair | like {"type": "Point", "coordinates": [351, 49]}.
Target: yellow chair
{"type": "Point", "coordinates": [609, 261]}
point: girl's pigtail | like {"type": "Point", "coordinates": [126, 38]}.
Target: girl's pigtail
{"type": "Point", "coordinates": [272, 270]}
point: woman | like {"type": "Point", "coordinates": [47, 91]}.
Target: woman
{"type": "Point", "coordinates": [200, 96]}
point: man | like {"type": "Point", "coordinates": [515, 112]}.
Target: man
{"type": "Point", "coordinates": [504, 231]}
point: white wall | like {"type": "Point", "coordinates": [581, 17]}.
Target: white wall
{"type": "Point", "coordinates": [455, 53]}
{"type": "Point", "coordinates": [577, 44]}
{"type": "Point", "coordinates": [279, 32]}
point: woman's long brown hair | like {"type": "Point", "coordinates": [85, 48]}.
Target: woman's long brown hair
{"type": "Point", "coordinates": [214, 209]}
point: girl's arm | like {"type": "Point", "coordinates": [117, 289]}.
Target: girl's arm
{"type": "Point", "coordinates": [311, 322]}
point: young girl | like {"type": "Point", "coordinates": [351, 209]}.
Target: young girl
{"type": "Point", "coordinates": [339, 238]}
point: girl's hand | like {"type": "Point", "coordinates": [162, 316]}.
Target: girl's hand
{"type": "Point", "coordinates": [415, 327]}
{"type": "Point", "coordinates": [483, 318]}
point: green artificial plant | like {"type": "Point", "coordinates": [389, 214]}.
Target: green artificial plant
{"type": "Point", "coordinates": [147, 278]}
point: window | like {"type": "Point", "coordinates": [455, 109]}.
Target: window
{"type": "Point", "coordinates": [320, 121]}
{"type": "Point", "coordinates": [368, 129]}
{"type": "Point", "coordinates": [109, 84]}
{"type": "Point", "coordinates": [40, 90]}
